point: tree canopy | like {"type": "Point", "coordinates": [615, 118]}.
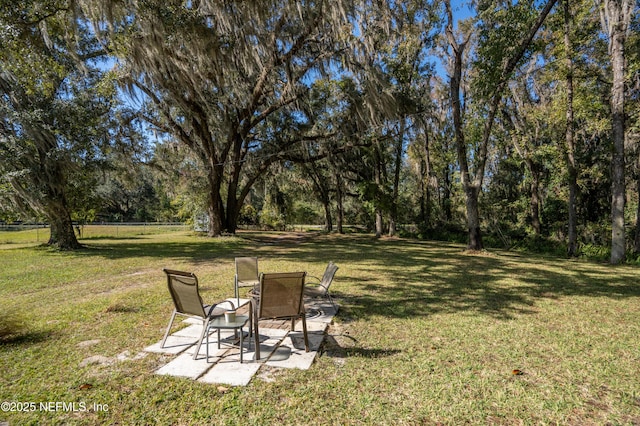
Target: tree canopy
{"type": "Point", "coordinates": [55, 112]}
{"type": "Point", "coordinates": [515, 122]}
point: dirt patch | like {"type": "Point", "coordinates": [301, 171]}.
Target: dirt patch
{"type": "Point", "coordinates": [102, 360]}
{"type": "Point", "coordinates": [269, 374]}
{"type": "Point", "coordinates": [336, 343]}
{"type": "Point", "coordinates": [87, 343]}
{"type": "Point", "coordinates": [97, 359]}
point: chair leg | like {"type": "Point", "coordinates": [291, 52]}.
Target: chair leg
{"type": "Point", "coordinates": [207, 345]}
{"type": "Point", "coordinates": [250, 323]}
{"type": "Point", "coordinates": [166, 333]}
{"type": "Point", "coordinates": [304, 332]}
{"type": "Point", "coordinates": [241, 347]}
{"type": "Point", "coordinates": [256, 336]}
{"type": "Point", "coordinates": [205, 330]}
{"type": "Point", "coordinates": [235, 286]}
{"type": "Point", "coordinates": [333, 303]}
{"type": "Point", "coordinates": [253, 311]}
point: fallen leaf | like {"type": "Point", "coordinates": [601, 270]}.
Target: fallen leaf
{"type": "Point", "coordinates": [86, 386]}
{"type": "Point", "coordinates": [222, 389]}
{"type": "Point", "coordinates": [517, 372]}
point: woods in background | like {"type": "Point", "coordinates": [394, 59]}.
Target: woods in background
{"type": "Point", "coordinates": [509, 122]}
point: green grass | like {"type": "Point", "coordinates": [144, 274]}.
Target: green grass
{"type": "Point", "coordinates": [23, 238]}
{"type": "Point", "coordinates": [426, 334]}
{"type": "Point", "coordinates": [32, 237]}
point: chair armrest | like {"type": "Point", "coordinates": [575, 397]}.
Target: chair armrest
{"type": "Point", "coordinates": [312, 277]}
{"type": "Point", "coordinates": [229, 302]}
{"type": "Point", "coordinates": [209, 309]}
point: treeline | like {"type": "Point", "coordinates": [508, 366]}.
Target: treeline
{"type": "Point", "coordinates": [511, 121]}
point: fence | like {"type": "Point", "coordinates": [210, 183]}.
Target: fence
{"type": "Point", "coordinates": [25, 233]}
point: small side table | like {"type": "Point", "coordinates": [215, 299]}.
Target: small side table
{"type": "Point", "coordinates": [220, 323]}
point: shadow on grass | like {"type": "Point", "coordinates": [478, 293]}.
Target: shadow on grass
{"type": "Point", "coordinates": [334, 349]}
{"type": "Point", "coordinates": [371, 353]}
{"type": "Point", "coordinates": [196, 251]}
{"type": "Point", "coordinates": [414, 278]}
{"type": "Point", "coordinates": [405, 278]}
{"type": "Point", "coordinates": [111, 238]}
{"type": "Point", "coordinates": [26, 338]}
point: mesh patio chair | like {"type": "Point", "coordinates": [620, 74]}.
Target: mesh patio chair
{"type": "Point", "coordinates": [320, 287]}
{"type": "Point", "coordinates": [246, 274]}
{"type": "Point", "coordinates": [183, 287]}
{"type": "Point", "coordinates": [280, 297]}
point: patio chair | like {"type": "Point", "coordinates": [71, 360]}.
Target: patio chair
{"type": "Point", "coordinates": [280, 297]}
{"type": "Point", "coordinates": [246, 274]}
{"type": "Point", "coordinates": [183, 287]}
{"type": "Point", "coordinates": [320, 287]}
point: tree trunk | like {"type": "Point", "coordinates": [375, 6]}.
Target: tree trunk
{"type": "Point", "coordinates": [392, 227]}
{"type": "Point", "coordinates": [617, 161]}
{"type": "Point", "coordinates": [618, 16]}
{"type": "Point", "coordinates": [230, 217]}
{"type": "Point", "coordinates": [328, 222]}
{"type": "Point", "coordinates": [232, 208]}
{"type": "Point", "coordinates": [423, 195]}
{"type": "Point", "coordinates": [426, 177]}
{"type": "Point", "coordinates": [572, 243]}
{"type": "Point", "coordinates": [534, 202]}
{"type": "Point", "coordinates": [379, 224]}
{"type": "Point", "coordinates": [637, 239]}
{"type": "Point", "coordinates": [62, 233]}
{"type": "Point", "coordinates": [393, 219]}
{"type": "Point", "coordinates": [215, 217]}
{"type": "Point", "coordinates": [473, 218]}
{"type": "Point", "coordinates": [56, 207]}
{"type": "Point", "coordinates": [216, 209]}
{"type": "Point", "coordinates": [471, 191]}
{"type": "Point", "coordinates": [379, 194]}
{"type": "Point", "coordinates": [422, 201]}
{"type": "Point", "coordinates": [339, 205]}
{"type": "Point", "coordinates": [446, 195]}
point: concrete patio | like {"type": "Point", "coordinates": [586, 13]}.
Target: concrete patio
{"type": "Point", "coordinates": [279, 348]}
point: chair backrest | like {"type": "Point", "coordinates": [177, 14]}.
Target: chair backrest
{"type": "Point", "coordinates": [329, 273]}
{"type": "Point", "coordinates": [183, 287]}
{"type": "Point", "coordinates": [246, 271]}
{"type": "Point", "coordinates": [281, 295]}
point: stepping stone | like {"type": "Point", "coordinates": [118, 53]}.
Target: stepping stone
{"type": "Point", "coordinates": [229, 371]}
{"type": "Point", "coordinates": [173, 346]}
{"type": "Point", "coordinates": [312, 327]}
{"type": "Point", "coordinates": [185, 366]}
{"type": "Point", "coordinates": [232, 372]}
{"type": "Point", "coordinates": [192, 331]}
{"type": "Point", "coordinates": [293, 346]}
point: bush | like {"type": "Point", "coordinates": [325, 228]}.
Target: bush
{"type": "Point", "coordinates": [248, 215]}
{"type": "Point", "coordinates": [595, 252]}
{"type": "Point", "coordinates": [304, 212]}
{"type": "Point", "coordinates": [271, 218]}
{"type": "Point", "coordinates": [445, 232]}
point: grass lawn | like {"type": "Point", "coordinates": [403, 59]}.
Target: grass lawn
{"type": "Point", "coordinates": [426, 334]}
